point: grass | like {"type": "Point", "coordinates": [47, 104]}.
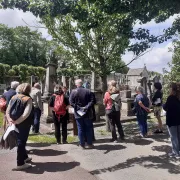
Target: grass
{"type": "Point", "coordinates": [1, 119]}
{"type": "Point", "coordinates": [102, 132]}
{"type": "Point", "coordinates": [48, 139]}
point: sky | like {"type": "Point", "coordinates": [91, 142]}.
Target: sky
{"type": "Point", "coordinates": [155, 60]}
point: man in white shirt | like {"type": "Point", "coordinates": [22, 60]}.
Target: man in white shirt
{"type": "Point", "coordinates": [37, 103]}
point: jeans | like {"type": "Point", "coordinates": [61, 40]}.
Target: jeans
{"type": "Point", "coordinates": [22, 137]}
{"type": "Point", "coordinates": [114, 120]}
{"type": "Point", "coordinates": [37, 116]}
{"type": "Point", "coordinates": [85, 130]}
{"type": "Point", "coordinates": [174, 132]}
{"type": "Point", "coordinates": [57, 124]}
{"type": "Point", "coordinates": [142, 122]}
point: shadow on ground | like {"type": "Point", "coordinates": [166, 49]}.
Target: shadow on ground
{"type": "Point", "coordinates": [40, 168]}
{"type": "Point", "coordinates": [108, 147]}
{"type": "Point", "coordinates": [48, 152]}
{"type": "Point", "coordinates": [163, 148]}
{"type": "Point", "coordinates": [156, 162]}
{"type": "Point", "coordinates": [38, 144]}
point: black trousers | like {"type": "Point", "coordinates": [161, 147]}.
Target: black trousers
{"type": "Point", "coordinates": [58, 123]}
{"type": "Point", "coordinates": [114, 120]}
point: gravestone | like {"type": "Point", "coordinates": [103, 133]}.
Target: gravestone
{"type": "Point", "coordinates": [49, 90]}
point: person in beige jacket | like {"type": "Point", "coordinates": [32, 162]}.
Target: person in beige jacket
{"type": "Point", "coordinates": [37, 103]}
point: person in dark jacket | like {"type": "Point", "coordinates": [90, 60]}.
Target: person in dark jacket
{"type": "Point", "coordinates": [82, 100]}
{"type": "Point", "coordinates": [157, 105]}
{"type": "Point", "coordinates": [172, 108]}
{"type": "Point", "coordinates": [23, 124]}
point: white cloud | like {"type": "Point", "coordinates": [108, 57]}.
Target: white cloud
{"type": "Point", "coordinates": [155, 60]}
{"type": "Point", "coordinates": [14, 18]}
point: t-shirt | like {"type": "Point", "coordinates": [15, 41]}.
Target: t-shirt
{"type": "Point", "coordinates": [157, 96]}
{"type": "Point", "coordinates": [145, 101]}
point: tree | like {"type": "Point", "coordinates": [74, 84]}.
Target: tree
{"type": "Point", "coordinates": [97, 32]}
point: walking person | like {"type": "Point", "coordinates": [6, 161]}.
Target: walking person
{"type": "Point", "coordinates": [82, 100]}
{"type": "Point", "coordinates": [157, 105]}
{"type": "Point", "coordinates": [22, 118]}
{"type": "Point", "coordinates": [172, 108]}
{"type": "Point", "coordinates": [37, 103]}
{"type": "Point", "coordinates": [141, 105]}
{"type": "Point", "coordinates": [8, 94]}
{"type": "Point", "coordinates": [112, 102]}
{"type": "Point", "coordinates": [59, 104]}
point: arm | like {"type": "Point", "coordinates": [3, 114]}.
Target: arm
{"type": "Point", "coordinates": [168, 105]}
{"type": "Point", "coordinates": [51, 103]}
{"type": "Point", "coordinates": [142, 105]}
{"type": "Point", "coordinates": [105, 100]}
{"type": "Point", "coordinates": [25, 115]}
{"type": "Point", "coordinates": [92, 101]}
{"type": "Point", "coordinates": [39, 101]}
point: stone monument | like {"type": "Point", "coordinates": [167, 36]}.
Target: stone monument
{"type": "Point", "coordinates": [49, 90]}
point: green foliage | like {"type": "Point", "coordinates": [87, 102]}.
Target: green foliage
{"type": "Point", "coordinates": [72, 72]}
{"type": "Point", "coordinates": [22, 70]}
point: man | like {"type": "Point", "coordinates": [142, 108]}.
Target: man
{"type": "Point", "coordinates": [37, 103]}
{"type": "Point", "coordinates": [8, 95]}
{"type": "Point", "coordinates": [82, 100]}
{"type": "Point", "coordinates": [66, 91]}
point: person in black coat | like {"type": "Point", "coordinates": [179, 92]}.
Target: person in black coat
{"type": "Point", "coordinates": [172, 108]}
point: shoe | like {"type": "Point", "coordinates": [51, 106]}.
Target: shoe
{"type": "Point", "coordinates": [23, 167]}
{"type": "Point", "coordinates": [143, 136]}
{"type": "Point", "coordinates": [173, 155]}
{"type": "Point", "coordinates": [82, 147]}
{"type": "Point", "coordinates": [28, 160]}
{"type": "Point", "coordinates": [112, 140]}
{"type": "Point", "coordinates": [58, 143]}
{"type": "Point", "coordinates": [122, 138]}
{"type": "Point", "coordinates": [157, 131]}
{"type": "Point", "coordinates": [89, 147]}
{"type": "Point", "coordinates": [65, 142]}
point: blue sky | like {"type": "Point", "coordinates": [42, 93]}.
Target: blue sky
{"type": "Point", "coordinates": [155, 60]}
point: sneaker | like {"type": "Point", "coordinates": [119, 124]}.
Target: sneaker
{"type": "Point", "coordinates": [82, 147]}
{"type": "Point", "coordinates": [122, 138]}
{"type": "Point", "coordinates": [28, 160]}
{"type": "Point", "coordinates": [89, 147]}
{"type": "Point", "coordinates": [65, 142]}
{"type": "Point", "coordinates": [113, 140]}
{"type": "Point", "coordinates": [157, 131]}
{"type": "Point", "coordinates": [173, 155]}
{"type": "Point", "coordinates": [23, 167]}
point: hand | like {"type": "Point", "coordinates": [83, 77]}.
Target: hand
{"type": "Point", "coordinates": [148, 110]}
{"type": "Point", "coordinates": [12, 122]}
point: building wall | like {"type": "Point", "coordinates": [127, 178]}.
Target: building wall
{"type": "Point", "coordinates": [132, 81]}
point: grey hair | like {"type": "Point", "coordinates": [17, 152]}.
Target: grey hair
{"type": "Point", "coordinates": [14, 84]}
{"type": "Point", "coordinates": [78, 82]}
{"type": "Point", "coordinates": [37, 85]}
{"type": "Point", "coordinates": [140, 89]}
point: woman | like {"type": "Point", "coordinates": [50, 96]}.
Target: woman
{"type": "Point", "coordinates": [172, 108]}
{"type": "Point", "coordinates": [157, 103]}
{"type": "Point", "coordinates": [113, 107]}
{"type": "Point", "coordinates": [141, 105]}
{"type": "Point", "coordinates": [23, 123]}
{"type": "Point", "coordinates": [59, 104]}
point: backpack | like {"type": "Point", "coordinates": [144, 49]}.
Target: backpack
{"type": "Point", "coordinates": [17, 106]}
{"type": "Point", "coordinates": [3, 104]}
{"type": "Point", "coordinates": [59, 105]}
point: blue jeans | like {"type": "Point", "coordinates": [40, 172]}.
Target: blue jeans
{"type": "Point", "coordinates": [37, 116]}
{"type": "Point", "coordinates": [174, 132]}
{"type": "Point", "coordinates": [142, 122]}
{"type": "Point", "coordinates": [22, 137]}
{"type": "Point", "coordinates": [85, 127]}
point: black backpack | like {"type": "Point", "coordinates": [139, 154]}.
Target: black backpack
{"type": "Point", "coordinates": [17, 106]}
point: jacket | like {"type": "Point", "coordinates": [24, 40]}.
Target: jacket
{"type": "Point", "coordinates": [36, 97]}
{"type": "Point", "coordinates": [8, 95]}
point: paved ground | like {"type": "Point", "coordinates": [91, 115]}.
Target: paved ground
{"type": "Point", "coordinates": [133, 159]}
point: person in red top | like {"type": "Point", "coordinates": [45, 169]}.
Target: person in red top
{"type": "Point", "coordinates": [112, 103]}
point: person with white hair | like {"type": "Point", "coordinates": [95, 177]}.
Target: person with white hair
{"type": "Point", "coordinates": [37, 103]}
{"type": "Point", "coordinates": [141, 109]}
{"type": "Point", "coordinates": [82, 100]}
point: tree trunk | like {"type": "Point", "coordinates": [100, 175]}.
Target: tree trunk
{"type": "Point", "coordinates": [104, 83]}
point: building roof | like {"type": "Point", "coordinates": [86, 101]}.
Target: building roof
{"type": "Point", "coordinates": [135, 72]}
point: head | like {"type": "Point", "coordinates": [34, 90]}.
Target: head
{"type": "Point", "coordinates": [14, 84]}
{"type": "Point", "coordinates": [78, 82]}
{"type": "Point", "coordinates": [24, 88]}
{"type": "Point", "coordinates": [175, 89]}
{"type": "Point", "coordinates": [112, 83]}
{"type": "Point", "coordinates": [139, 90]}
{"type": "Point", "coordinates": [58, 89]}
{"type": "Point", "coordinates": [37, 85]}
{"type": "Point", "coordinates": [158, 86]}
{"type": "Point", "coordinates": [64, 88]}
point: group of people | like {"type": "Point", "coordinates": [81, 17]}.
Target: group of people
{"type": "Point", "coordinates": [83, 100]}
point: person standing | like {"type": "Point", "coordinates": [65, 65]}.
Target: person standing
{"type": "Point", "coordinates": [82, 100]}
{"type": "Point", "coordinates": [141, 105]}
{"type": "Point", "coordinates": [37, 103]}
{"type": "Point", "coordinates": [157, 105]}
{"type": "Point", "coordinates": [66, 91]}
{"type": "Point", "coordinates": [23, 122]}
{"type": "Point", "coordinates": [112, 102]}
{"type": "Point", "coordinates": [172, 108]}
{"type": "Point", "coordinates": [59, 104]}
